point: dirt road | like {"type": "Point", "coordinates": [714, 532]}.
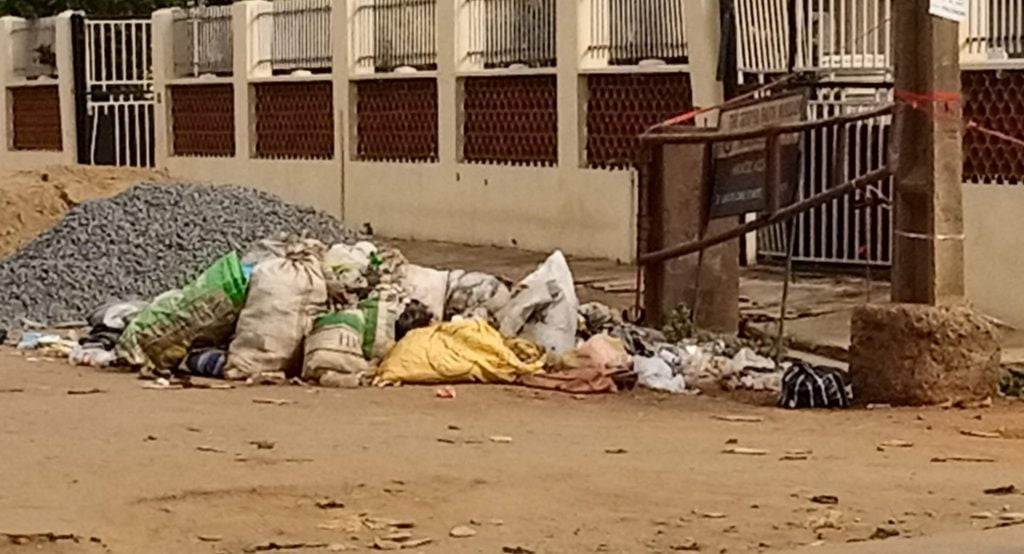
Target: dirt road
{"type": "Point", "coordinates": [176, 471]}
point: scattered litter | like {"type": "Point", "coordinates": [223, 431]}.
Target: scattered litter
{"type": "Point", "coordinates": [329, 504]}
{"type": "Point", "coordinates": [210, 538]}
{"type": "Point", "coordinates": [732, 440]}
{"type": "Point", "coordinates": [445, 392]}
{"type": "Point", "coordinates": [831, 519]}
{"type": "Point", "coordinates": [162, 384]}
{"type": "Point", "coordinates": [462, 532]}
{"type": "Point", "coordinates": [967, 459]}
{"type": "Point", "coordinates": [882, 406]}
{"type": "Point", "coordinates": [79, 392]}
{"type": "Point", "coordinates": [982, 515]}
{"type": "Point", "coordinates": [11, 390]}
{"type": "Point", "coordinates": [273, 545]}
{"type": "Point", "coordinates": [884, 532]}
{"type": "Point", "coordinates": [263, 445]}
{"type": "Point", "coordinates": [895, 443]}
{"type": "Point", "coordinates": [709, 515]}
{"type": "Point", "coordinates": [738, 418]}
{"type": "Point", "coordinates": [825, 499]}
{"type": "Point", "coordinates": [981, 434]}
{"type": "Point", "coordinates": [656, 373]}
{"type": "Point", "coordinates": [615, 451]}
{"type": "Point", "coordinates": [500, 439]}
{"type": "Point", "coordinates": [212, 449]}
{"type": "Point", "coordinates": [517, 550]}
{"type": "Point", "coordinates": [1002, 491]}
{"type": "Point", "coordinates": [745, 451]}
{"type": "Point", "coordinates": [273, 401]}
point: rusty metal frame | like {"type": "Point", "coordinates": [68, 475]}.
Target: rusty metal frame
{"type": "Point", "coordinates": [647, 166]}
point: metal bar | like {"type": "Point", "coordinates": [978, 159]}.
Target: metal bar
{"type": "Point", "coordinates": [784, 214]}
{"type": "Point", "coordinates": [785, 128]}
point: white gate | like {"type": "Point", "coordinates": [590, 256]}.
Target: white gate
{"type": "Point", "coordinates": [119, 92]}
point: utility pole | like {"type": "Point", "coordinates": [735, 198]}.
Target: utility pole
{"type": "Point", "coordinates": [928, 263]}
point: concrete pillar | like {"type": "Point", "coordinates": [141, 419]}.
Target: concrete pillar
{"type": "Point", "coordinates": [163, 73]}
{"type": "Point", "coordinates": [448, 97]}
{"type": "Point", "coordinates": [703, 38]}
{"type": "Point", "coordinates": [6, 60]}
{"type": "Point", "coordinates": [341, 68]}
{"type": "Point", "coordinates": [64, 51]}
{"type": "Point", "coordinates": [570, 96]}
{"type": "Point", "coordinates": [929, 235]}
{"type": "Point", "coordinates": [246, 64]}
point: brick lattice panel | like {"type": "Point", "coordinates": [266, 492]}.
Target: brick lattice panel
{"type": "Point", "coordinates": [622, 106]}
{"type": "Point", "coordinates": [396, 119]}
{"type": "Point", "coordinates": [993, 99]}
{"type": "Point", "coordinates": [35, 121]}
{"type": "Point", "coordinates": [203, 120]}
{"type": "Point", "coordinates": [511, 120]}
{"type": "Point", "coordinates": [294, 120]}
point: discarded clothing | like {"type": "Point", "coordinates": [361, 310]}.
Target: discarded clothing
{"type": "Point", "coordinates": [453, 352]}
{"type": "Point", "coordinates": [116, 315]}
{"type": "Point", "coordinates": [101, 336]}
{"type": "Point", "coordinates": [206, 362]}
{"type": "Point", "coordinates": [807, 386]}
{"type": "Point", "coordinates": [598, 365]}
{"type": "Point", "coordinates": [581, 380]}
{"type": "Point", "coordinates": [474, 294]}
{"type": "Point", "coordinates": [415, 316]}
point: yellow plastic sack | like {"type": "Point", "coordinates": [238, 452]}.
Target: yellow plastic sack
{"type": "Point", "coordinates": [455, 352]}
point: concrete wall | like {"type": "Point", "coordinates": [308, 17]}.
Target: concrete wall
{"type": "Point", "coordinates": [586, 212]}
{"type": "Point", "coordinates": [9, 79]}
{"type": "Point", "coordinates": [994, 251]}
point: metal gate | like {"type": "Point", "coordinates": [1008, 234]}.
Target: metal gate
{"type": "Point", "coordinates": [115, 85]}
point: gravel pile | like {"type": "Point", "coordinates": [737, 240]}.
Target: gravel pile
{"type": "Point", "coordinates": [150, 238]}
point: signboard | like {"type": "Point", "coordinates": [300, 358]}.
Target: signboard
{"type": "Point", "coordinates": [741, 166]}
{"type": "Point", "coordinates": [955, 10]}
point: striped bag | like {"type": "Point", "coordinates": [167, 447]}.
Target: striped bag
{"type": "Point", "coordinates": [807, 386]}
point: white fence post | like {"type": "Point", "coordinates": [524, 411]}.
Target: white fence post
{"type": "Point", "coordinates": [340, 69]}
{"type": "Point", "coordinates": [64, 51]}
{"type": "Point", "coordinates": [163, 72]}
{"type": "Point", "coordinates": [704, 36]}
{"type": "Point", "coordinates": [246, 58]}
{"type": "Point", "coordinates": [567, 53]}
{"type": "Point", "coordinates": [6, 61]}
{"type": "Point", "coordinates": [447, 24]}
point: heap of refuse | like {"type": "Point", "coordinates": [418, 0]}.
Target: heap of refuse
{"type": "Point", "coordinates": [137, 244]}
{"type": "Point", "coordinates": [310, 304]}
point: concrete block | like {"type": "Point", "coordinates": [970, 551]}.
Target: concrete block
{"type": "Point", "coordinates": [912, 354]}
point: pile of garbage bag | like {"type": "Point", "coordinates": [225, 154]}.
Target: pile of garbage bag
{"type": "Point", "coordinates": [361, 315]}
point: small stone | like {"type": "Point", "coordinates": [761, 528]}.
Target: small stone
{"type": "Point", "coordinates": [688, 544]}
{"type": "Point", "coordinates": [884, 532]}
{"type": "Point", "coordinates": [462, 532]}
{"type": "Point", "coordinates": [827, 499]}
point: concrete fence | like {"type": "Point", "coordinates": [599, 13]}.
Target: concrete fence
{"type": "Point", "coordinates": [506, 122]}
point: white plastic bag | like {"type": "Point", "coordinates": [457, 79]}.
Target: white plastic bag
{"type": "Point", "coordinates": [656, 373]}
{"type": "Point", "coordinates": [429, 286]}
{"type": "Point", "coordinates": [544, 307]}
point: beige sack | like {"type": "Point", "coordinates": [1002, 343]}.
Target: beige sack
{"type": "Point", "coordinates": [285, 294]}
{"type": "Point", "coordinates": [335, 346]}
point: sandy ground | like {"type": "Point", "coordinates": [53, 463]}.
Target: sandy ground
{"type": "Point", "coordinates": [32, 201]}
{"type": "Point", "coordinates": [159, 471]}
